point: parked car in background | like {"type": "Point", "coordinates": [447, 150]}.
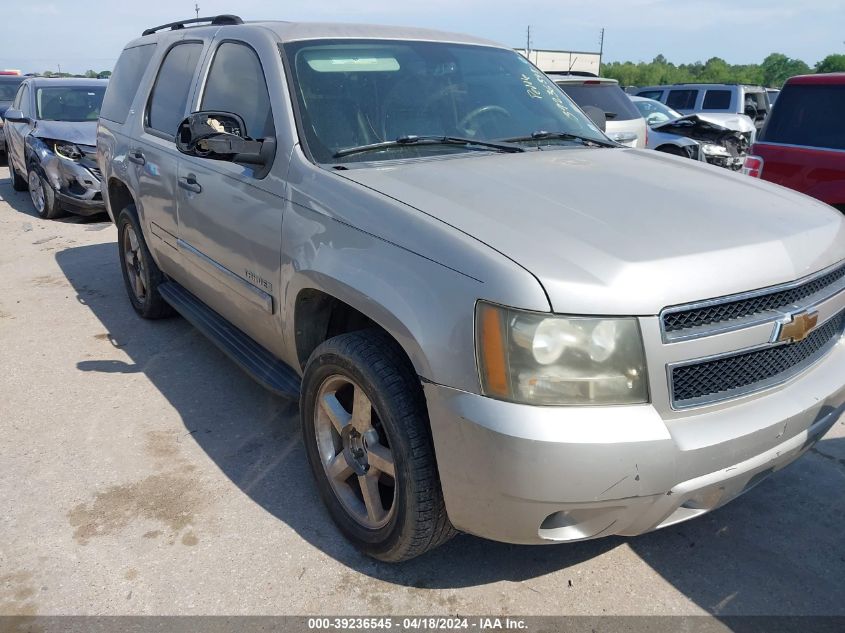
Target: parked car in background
{"type": "Point", "coordinates": [802, 145]}
{"type": "Point", "coordinates": [773, 94]}
{"type": "Point", "coordinates": [624, 124]}
{"type": "Point", "coordinates": [712, 98]}
{"type": "Point", "coordinates": [654, 113]}
{"type": "Point", "coordinates": [495, 319]}
{"type": "Point", "coordinates": [51, 132]}
{"type": "Point", "coordinates": [8, 87]}
{"type": "Point", "coordinates": [722, 139]}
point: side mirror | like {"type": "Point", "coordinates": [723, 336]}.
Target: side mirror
{"type": "Point", "coordinates": [15, 116]}
{"type": "Point", "coordinates": [222, 136]}
{"type": "Point", "coordinates": [597, 116]}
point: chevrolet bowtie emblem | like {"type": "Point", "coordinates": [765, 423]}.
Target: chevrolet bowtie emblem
{"type": "Point", "coordinates": [797, 329]}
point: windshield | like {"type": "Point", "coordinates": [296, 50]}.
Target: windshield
{"type": "Point", "coordinates": [609, 98]}
{"type": "Point", "coordinates": [655, 112]}
{"type": "Point", "coordinates": [69, 103]}
{"type": "Point", "coordinates": [359, 92]}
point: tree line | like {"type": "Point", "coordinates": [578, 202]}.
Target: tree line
{"type": "Point", "coordinates": [89, 74]}
{"type": "Point", "coordinates": [772, 72]}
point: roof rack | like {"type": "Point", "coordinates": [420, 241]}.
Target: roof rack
{"type": "Point", "coordinates": [217, 20]}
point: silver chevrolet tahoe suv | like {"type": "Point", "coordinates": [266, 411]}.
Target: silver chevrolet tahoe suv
{"type": "Point", "coordinates": [495, 319]}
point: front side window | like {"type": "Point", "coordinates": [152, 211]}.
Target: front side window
{"type": "Point", "coordinates": [356, 92]}
{"type": "Point", "coordinates": [69, 103]}
{"type": "Point", "coordinates": [236, 84]}
{"type": "Point", "coordinates": [169, 98]}
{"type": "Point", "coordinates": [19, 97]}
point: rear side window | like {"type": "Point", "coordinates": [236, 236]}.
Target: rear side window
{"type": "Point", "coordinates": [170, 92]}
{"type": "Point", "coordinates": [651, 94]}
{"type": "Point", "coordinates": [124, 82]}
{"type": "Point", "coordinates": [717, 100]}
{"type": "Point", "coordinates": [236, 84]}
{"type": "Point", "coordinates": [607, 97]}
{"type": "Point", "coordinates": [808, 115]}
{"type": "Point", "coordinates": [682, 99]}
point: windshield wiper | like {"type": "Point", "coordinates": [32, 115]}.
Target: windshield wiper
{"type": "Point", "coordinates": [541, 135]}
{"type": "Point", "coordinates": [412, 139]}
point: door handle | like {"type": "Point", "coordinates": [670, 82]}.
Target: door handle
{"type": "Point", "coordinates": [137, 157]}
{"type": "Point", "coordinates": [190, 183]}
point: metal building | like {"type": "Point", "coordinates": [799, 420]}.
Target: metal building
{"type": "Point", "coordinates": [564, 61]}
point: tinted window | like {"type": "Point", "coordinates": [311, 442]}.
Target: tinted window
{"type": "Point", "coordinates": [8, 88]}
{"type": "Point", "coordinates": [682, 99]}
{"type": "Point", "coordinates": [717, 100]}
{"type": "Point", "coordinates": [69, 103]}
{"type": "Point", "coordinates": [356, 92]}
{"type": "Point", "coordinates": [651, 94]}
{"type": "Point", "coordinates": [607, 97]}
{"type": "Point", "coordinates": [236, 84]}
{"type": "Point", "coordinates": [124, 82]}
{"type": "Point", "coordinates": [170, 93]}
{"type": "Point", "coordinates": [808, 115]}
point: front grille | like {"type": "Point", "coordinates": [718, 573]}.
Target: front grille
{"type": "Point", "coordinates": [732, 376]}
{"type": "Point", "coordinates": [675, 321]}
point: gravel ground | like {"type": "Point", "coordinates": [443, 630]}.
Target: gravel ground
{"type": "Point", "coordinates": [141, 472]}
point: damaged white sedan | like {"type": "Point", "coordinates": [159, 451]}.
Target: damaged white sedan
{"type": "Point", "coordinates": [720, 139]}
{"type": "Point", "coordinates": [50, 143]}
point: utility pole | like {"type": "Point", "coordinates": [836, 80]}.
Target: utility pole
{"type": "Point", "coordinates": [528, 43]}
{"type": "Point", "coordinates": [601, 49]}
{"type": "Point", "coordinates": [197, 9]}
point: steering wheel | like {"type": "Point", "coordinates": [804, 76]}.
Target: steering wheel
{"type": "Point", "coordinates": [486, 109]}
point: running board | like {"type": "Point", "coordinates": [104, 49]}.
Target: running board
{"type": "Point", "coordinates": [254, 359]}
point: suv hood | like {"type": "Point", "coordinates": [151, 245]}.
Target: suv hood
{"type": "Point", "coordinates": [617, 231]}
{"type": "Point", "coordinates": [78, 132]}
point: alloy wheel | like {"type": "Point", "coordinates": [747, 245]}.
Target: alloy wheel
{"type": "Point", "coordinates": [134, 262]}
{"type": "Point", "coordinates": [36, 191]}
{"type": "Point", "coordinates": [355, 452]}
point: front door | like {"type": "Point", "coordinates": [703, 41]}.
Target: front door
{"type": "Point", "coordinates": [230, 214]}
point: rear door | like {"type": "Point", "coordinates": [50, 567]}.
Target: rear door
{"type": "Point", "coordinates": [230, 214]}
{"type": "Point", "coordinates": [152, 153]}
{"type": "Point", "coordinates": [803, 142]}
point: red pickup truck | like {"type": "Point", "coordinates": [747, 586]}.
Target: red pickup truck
{"type": "Point", "coordinates": [802, 145]}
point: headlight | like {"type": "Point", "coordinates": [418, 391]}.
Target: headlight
{"type": "Point", "coordinates": [68, 150]}
{"type": "Point", "coordinates": [534, 358]}
{"type": "Point", "coordinates": [714, 150]}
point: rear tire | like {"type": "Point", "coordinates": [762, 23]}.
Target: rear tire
{"type": "Point", "coordinates": [18, 183]}
{"type": "Point", "coordinates": [141, 275]}
{"type": "Point", "coordinates": [364, 420]}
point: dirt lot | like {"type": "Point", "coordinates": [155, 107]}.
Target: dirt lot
{"type": "Point", "coordinates": [141, 472]}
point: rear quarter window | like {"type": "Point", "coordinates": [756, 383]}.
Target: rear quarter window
{"type": "Point", "coordinates": [651, 94]}
{"type": "Point", "coordinates": [808, 115]}
{"type": "Point", "coordinates": [717, 100]}
{"type": "Point", "coordinates": [682, 99]}
{"type": "Point", "coordinates": [607, 97]}
{"type": "Point", "coordinates": [124, 82]}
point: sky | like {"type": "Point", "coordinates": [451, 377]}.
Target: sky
{"type": "Point", "coordinates": [89, 34]}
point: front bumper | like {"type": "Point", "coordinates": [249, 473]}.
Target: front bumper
{"type": "Point", "coordinates": [524, 474]}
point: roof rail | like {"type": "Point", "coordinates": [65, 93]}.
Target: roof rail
{"type": "Point", "coordinates": [217, 20]}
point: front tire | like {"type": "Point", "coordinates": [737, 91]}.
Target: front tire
{"type": "Point", "coordinates": [368, 441]}
{"type": "Point", "coordinates": [141, 275]}
{"type": "Point", "coordinates": [42, 195]}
